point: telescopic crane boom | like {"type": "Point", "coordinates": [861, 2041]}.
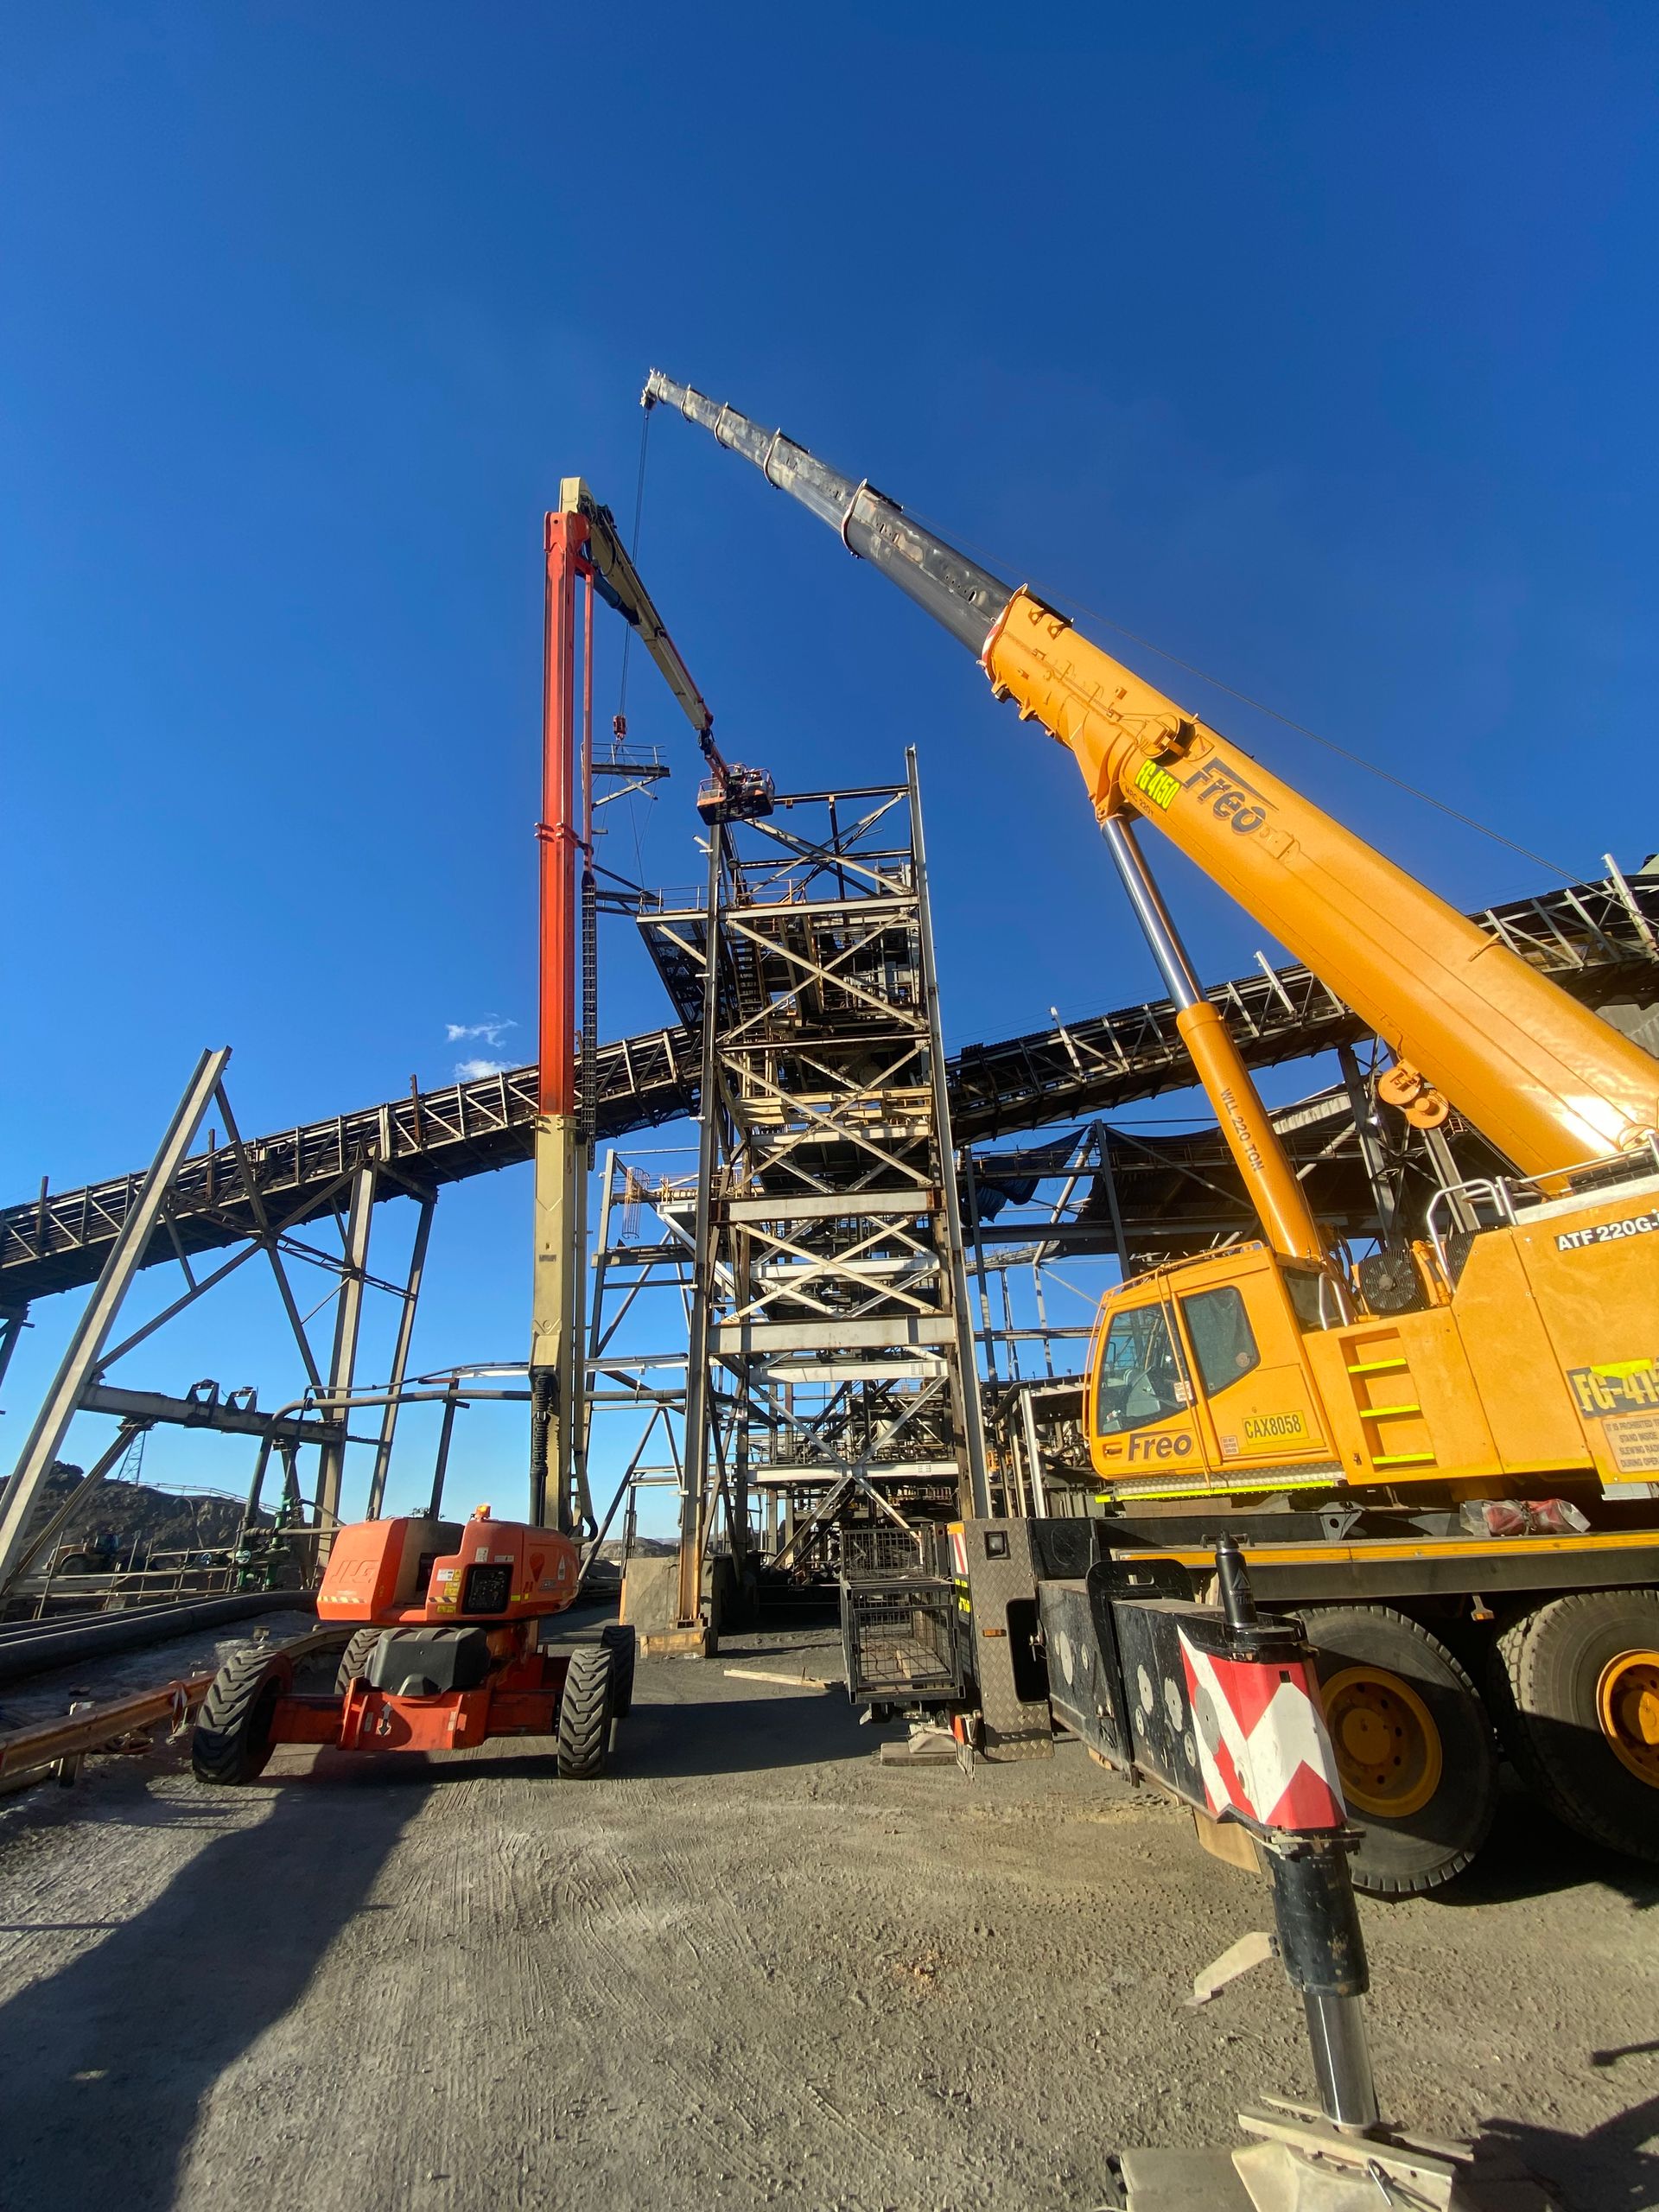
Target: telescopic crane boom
{"type": "Point", "coordinates": [1545, 1080]}
{"type": "Point", "coordinates": [1454, 1438]}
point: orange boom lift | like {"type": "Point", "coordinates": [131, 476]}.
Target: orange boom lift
{"type": "Point", "coordinates": [440, 1621]}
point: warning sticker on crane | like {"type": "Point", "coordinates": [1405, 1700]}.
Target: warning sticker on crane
{"type": "Point", "coordinates": [1634, 1438]}
{"type": "Point", "coordinates": [1261, 1743]}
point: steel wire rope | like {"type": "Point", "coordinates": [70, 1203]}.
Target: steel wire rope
{"type": "Point", "coordinates": [628, 634]}
{"type": "Point", "coordinates": [1065, 601]}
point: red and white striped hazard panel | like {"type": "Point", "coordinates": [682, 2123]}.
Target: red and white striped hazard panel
{"type": "Point", "coordinates": [1262, 1745]}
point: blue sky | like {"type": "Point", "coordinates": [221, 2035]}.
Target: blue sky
{"type": "Point", "coordinates": [1314, 344]}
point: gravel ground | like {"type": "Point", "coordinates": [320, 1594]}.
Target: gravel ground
{"type": "Point", "coordinates": [751, 1966]}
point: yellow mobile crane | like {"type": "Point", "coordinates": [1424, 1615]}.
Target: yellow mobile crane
{"type": "Point", "coordinates": [1445, 1456]}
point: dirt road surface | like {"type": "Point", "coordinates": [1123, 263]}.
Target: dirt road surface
{"type": "Point", "coordinates": [750, 1966]}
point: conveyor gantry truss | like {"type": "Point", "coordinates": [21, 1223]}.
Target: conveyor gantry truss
{"type": "Point", "coordinates": [1600, 939]}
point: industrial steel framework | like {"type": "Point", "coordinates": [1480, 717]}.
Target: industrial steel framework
{"type": "Point", "coordinates": [828, 1300]}
{"type": "Point", "coordinates": [344, 1203]}
{"type": "Point", "coordinates": [1143, 1197]}
{"type": "Point", "coordinates": [1600, 940]}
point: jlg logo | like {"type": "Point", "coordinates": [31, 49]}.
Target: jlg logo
{"type": "Point", "coordinates": [1231, 798]}
{"type": "Point", "coordinates": [1159, 1448]}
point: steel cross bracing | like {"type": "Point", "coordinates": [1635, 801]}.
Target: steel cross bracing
{"type": "Point", "coordinates": [828, 1301]}
{"type": "Point", "coordinates": [1599, 939]}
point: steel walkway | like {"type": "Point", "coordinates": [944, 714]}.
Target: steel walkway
{"type": "Point", "coordinates": [1599, 939]}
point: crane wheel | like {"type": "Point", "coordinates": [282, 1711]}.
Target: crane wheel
{"type": "Point", "coordinates": [584, 1736]}
{"type": "Point", "coordinates": [1578, 1696]}
{"type": "Point", "coordinates": [619, 1640]}
{"type": "Point", "coordinates": [1414, 1747]}
{"type": "Point", "coordinates": [355, 1658]}
{"type": "Point", "coordinates": [231, 1741]}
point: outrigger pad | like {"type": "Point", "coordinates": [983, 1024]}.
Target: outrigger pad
{"type": "Point", "coordinates": [430, 1661]}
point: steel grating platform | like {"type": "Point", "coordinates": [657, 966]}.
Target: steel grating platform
{"type": "Point", "coordinates": [1599, 939]}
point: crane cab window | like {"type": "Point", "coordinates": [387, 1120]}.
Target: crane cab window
{"type": "Point", "coordinates": [1140, 1380]}
{"type": "Point", "coordinates": [1309, 1292]}
{"type": "Point", "coordinates": [1224, 1343]}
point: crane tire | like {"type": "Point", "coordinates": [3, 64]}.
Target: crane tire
{"type": "Point", "coordinates": [1414, 1746]}
{"type": "Point", "coordinates": [619, 1640]}
{"type": "Point", "coordinates": [1575, 1688]}
{"type": "Point", "coordinates": [584, 1733]}
{"type": "Point", "coordinates": [354, 1659]}
{"type": "Point", "coordinates": [231, 1741]}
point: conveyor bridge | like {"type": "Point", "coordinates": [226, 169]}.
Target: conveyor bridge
{"type": "Point", "coordinates": [1600, 939]}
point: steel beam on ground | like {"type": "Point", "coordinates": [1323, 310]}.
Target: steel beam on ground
{"type": "Point", "coordinates": [80, 1361]}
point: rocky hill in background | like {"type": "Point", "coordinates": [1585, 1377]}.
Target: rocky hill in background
{"type": "Point", "coordinates": [135, 1513]}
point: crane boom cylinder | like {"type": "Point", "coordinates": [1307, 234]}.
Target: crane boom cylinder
{"type": "Point", "coordinates": [1280, 1200]}
{"type": "Point", "coordinates": [1546, 1080]}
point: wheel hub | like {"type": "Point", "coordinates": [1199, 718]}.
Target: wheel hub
{"type": "Point", "coordinates": [1627, 1706]}
{"type": "Point", "coordinates": [1387, 1745]}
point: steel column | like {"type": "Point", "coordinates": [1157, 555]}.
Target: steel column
{"type": "Point", "coordinates": [694, 1517]}
{"type": "Point", "coordinates": [1370, 1144]}
{"type": "Point", "coordinates": [400, 1357]}
{"type": "Point", "coordinates": [111, 1456]}
{"type": "Point", "coordinates": [965, 1376]}
{"type": "Point", "coordinates": [14, 1320]}
{"type": "Point", "coordinates": [342, 1361]}
{"type": "Point", "coordinates": [555, 1302]}
{"type": "Point", "coordinates": [80, 1360]}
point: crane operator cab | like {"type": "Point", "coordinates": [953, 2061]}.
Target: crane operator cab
{"type": "Point", "coordinates": [1197, 1378]}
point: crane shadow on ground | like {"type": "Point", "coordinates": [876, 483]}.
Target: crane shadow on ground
{"type": "Point", "coordinates": [107, 2061]}
{"type": "Point", "coordinates": [667, 1740]}
{"type": "Point", "coordinates": [731, 1735]}
{"type": "Point", "coordinates": [1612, 2168]}
{"type": "Point", "coordinates": [1531, 1854]}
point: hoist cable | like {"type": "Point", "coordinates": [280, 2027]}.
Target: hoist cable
{"type": "Point", "coordinates": [633, 548]}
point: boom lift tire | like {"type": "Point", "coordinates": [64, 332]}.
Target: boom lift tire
{"type": "Point", "coordinates": [1414, 1746]}
{"type": "Point", "coordinates": [619, 1640]}
{"type": "Point", "coordinates": [585, 1711]}
{"type": "Point", "coordinates": [231, 1741]}
{"type": "Point", "coordinates": [354, 1659]}
{"type": "Point", "coordinates": [1578, 1696]}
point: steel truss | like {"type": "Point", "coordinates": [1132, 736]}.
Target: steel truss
{"type": "Point", "coordinates": [831, 1359]}
{"type": "Point", "coordinates": [636, 1389]}
{"type": "Point", "coordinates": [343, 1202]}
{"type": "Point", "coordinates": [1600, 940]}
